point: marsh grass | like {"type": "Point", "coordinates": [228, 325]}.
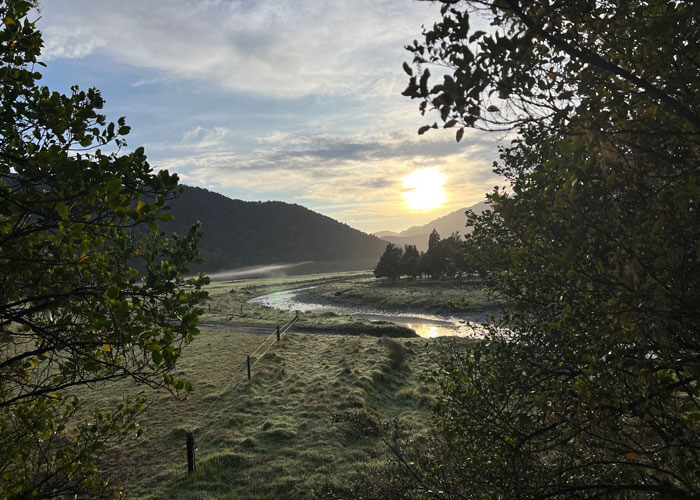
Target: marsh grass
{"type": "Point", "coordinates": [312, 415]}
{"type": "Point", "coordinates": [431, 296]}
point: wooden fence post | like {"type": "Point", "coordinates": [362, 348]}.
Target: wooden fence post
{"type": "Point", "coordinates": [248, 367]}
{"type": "Point", "coordinates": [190, 453]}
{"type": "Point", "coordinates": [278, 333]}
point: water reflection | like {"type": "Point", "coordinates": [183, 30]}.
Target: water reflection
{"type": "Point", "coordinates": [424, 330]}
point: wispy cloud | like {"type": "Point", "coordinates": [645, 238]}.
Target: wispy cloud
{"type": "Point", "coordinates": [286, 48]}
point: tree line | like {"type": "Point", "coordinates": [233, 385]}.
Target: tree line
{"type": "Point", "coordinates": [444, 259]}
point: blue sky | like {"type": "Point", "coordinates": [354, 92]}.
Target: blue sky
{"type": "Point", "coordinates": [293, 100]}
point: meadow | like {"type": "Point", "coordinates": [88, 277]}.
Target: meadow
{"type": "Point", "coordinates": [315, 411]}
{"type": "Point", "coordinates": [310, 416]}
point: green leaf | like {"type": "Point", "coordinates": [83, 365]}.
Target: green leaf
{"type": "Point", "coordinates": [62, 210]}
{"type": "Point", "coordinates": [156, 356]}
{"type": "Point", "coordinates": [113, 185]}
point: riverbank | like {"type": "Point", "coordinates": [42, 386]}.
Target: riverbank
{"type": "Point", "coordinates": [352, 304]}
{"type": "Point", "coordinates": [228, 305]}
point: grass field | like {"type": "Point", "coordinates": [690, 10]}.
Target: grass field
{"type": "Point", "coordinates": [309, 418]}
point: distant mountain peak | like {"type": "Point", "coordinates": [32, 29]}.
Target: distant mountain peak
{"type": "Point", "coordinates": [445, 225]}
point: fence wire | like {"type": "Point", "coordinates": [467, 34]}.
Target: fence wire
{"type": "Point", "coordinates": [234, 386]}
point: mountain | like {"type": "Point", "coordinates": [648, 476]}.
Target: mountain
{"type": "Point", "coordinates": [244, 233]}
{"type": "Point", "coordinates": [445, 225]}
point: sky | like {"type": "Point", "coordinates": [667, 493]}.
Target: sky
{"type": "Point", "coordinates": [291, 100]}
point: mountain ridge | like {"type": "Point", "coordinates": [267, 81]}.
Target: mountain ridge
{"type": "Point", "coordinates": [445, 225]}
{"type": "Point", "coordinates": [239, 233]}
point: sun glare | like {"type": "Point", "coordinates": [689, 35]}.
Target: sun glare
{"type": "Point", "coordinates": [424, 189]}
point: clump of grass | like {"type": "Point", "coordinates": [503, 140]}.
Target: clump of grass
{"type": "Point", "coordinates": [397, 352]}
{"type": "Point", "coordinates": [220, 465]}
{"type": "Point", "coordinates": [361, 423]}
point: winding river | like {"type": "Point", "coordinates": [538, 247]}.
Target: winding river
{"type": "Point", "coordinates": [425, 325]}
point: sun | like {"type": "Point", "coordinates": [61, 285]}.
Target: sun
{"type": "Point", "coordinates": [424, 189]}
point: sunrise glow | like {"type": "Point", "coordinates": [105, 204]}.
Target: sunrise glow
{"type": "Point", "coordinates": [424, 189]}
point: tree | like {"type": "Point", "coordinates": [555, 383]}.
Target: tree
{"type": "Point", "coordinates": [430, 261]}
{"type": "Point", "coordinates": [588, 386]}
{"type": "Point", "coordinates": [90, 290]}
{"type": "Point", "coordinates": [450, 254]}
{"type": "Point", "coordinates": [433, 239]}
{"type": "Point", "coordinates": [410, 261]}
{"type": "Point", "coordinates": [389, 265]}
{"type": "Point", "coordinates": [486, 247]}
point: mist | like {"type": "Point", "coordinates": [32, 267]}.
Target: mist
{"type": "Point", "coordinates": [266, 271]}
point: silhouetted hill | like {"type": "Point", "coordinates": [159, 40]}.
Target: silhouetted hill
{"type": "Point", "coordinates": [244, 233]}
{"type": "Point", "coordinates": [445, 225]}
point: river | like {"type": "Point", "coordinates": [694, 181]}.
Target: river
{"type": "Point", "coordinates": [425, 325]}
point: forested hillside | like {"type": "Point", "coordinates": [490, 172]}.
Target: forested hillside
{"type": "Point", "coordinates": [244, 233]}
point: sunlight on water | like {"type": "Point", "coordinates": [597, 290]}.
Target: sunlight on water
{"type": "Point", "coordinates": [425, 330]}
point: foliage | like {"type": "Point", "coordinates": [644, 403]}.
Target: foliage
{"type": "Point", "coordinates": [588, 386]}
{"type": "Point", "coordinates": [389, 265]}
{"type": "Point", "coordinates": [410, 262]}
{"type": "Point", "coordinates": [443, 259]}
{"type": "Point", "coordinates": [90, 290]}
{"type": "Point", "coordinates": [486, 247]}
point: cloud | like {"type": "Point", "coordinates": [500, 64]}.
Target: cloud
{"type": "Point", "coordinates": [325, 169]}
{"type": "Point", "coordinates": [204, 139]}
{"type": "Point", "coordinates": [297, 100]}
{"type": "Point", "coordinates": [287, 48]}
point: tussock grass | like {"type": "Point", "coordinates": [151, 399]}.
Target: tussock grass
{"type": "Point", "coordinates": [311, 415]}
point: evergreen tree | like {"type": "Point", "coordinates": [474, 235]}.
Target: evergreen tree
{"type": "Point", "coordinates": [389, 265]}
{"type": "Point", "coordinates": [410, 262]}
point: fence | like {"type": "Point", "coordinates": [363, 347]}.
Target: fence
{"type": "Point", "coordinates": [251, 361]}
